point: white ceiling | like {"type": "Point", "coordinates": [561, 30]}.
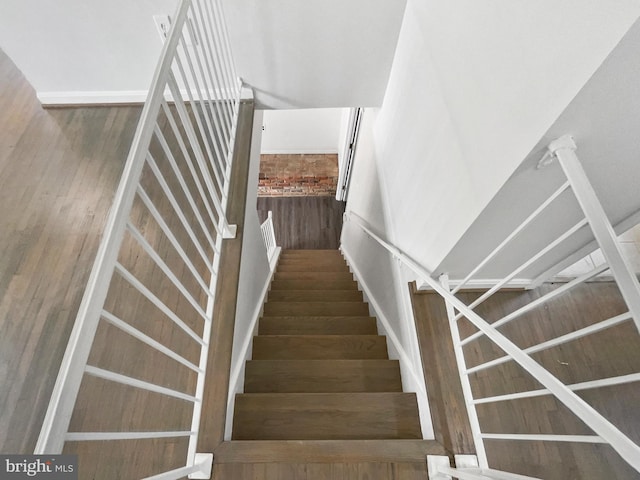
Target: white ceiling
{"type": "Point", "coordinates": [315, 53]}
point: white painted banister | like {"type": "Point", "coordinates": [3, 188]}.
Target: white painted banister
{"type": "Point", "coordinates": [564, 150]}
{"type": "Point", "coordinates": [269, 237]}
{"type": "Point", "coordinates": [605, 431]}
{"type": "Point", "coordinates": [191, 114]}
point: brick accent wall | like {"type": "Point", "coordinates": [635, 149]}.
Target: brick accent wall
{"type": "Point", "coordinates": [287, 175]}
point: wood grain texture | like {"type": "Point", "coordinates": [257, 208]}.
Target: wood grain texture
{"type": "Point", "coordinates": [322, 278]}
{"type": "Point", "coordinates": [315, 296]}
{"type": "Point", "coordinates": [213, 420]}
{"type": "Point", "coordinates": [311, 308]}
{"type": "Point", "coordinates": [304, 222]}
{"type": "Point", "coordinates": [326, 416]}
{"type": "Point", "coordinates": [305, 266]}
{"type": "Point", "coordinates": [311, 325]}
{"type": "Point", "coordinates": [321, 471]}
{"type": "Point", "coordinates": [58, 173]}
{"type": "Point", "coordinates": [613, 352]}
{"type": "Point", "coordinates": [327, 451]}
{"type": "Point", "coordinates": [319, 369]}
{"type": "Point", "coordinates": [318, 376]}
{"type": "Point", "coordinates": [444, 390]}
{"type": "Point", "coordinates": [297, 284]}
{"type": "Point", "coordinates": [319, 347]}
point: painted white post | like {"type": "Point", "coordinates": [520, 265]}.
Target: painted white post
{"type": "Point", "coordinates": [464, 378]}
{"type": "Point", "coordinates": [564, 149]}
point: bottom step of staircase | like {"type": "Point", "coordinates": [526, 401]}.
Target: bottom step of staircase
{"type": "Point", "coordinates": [326, 451]}
{"type": "Point", "coordinates": [326, 416]}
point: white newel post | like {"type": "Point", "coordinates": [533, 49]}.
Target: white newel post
{"type": "Point", "coordinates": [564, 149]}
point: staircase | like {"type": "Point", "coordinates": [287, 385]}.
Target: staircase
{"type": "Point", "coordinates": [320, 371]}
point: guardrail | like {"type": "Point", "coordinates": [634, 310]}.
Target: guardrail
{"type": "Point", "coordinates": [176, 178]}
{"type": "Point", "coordinates": [269, 237]}
{"type": "Point", "coordinates": [594, 217]}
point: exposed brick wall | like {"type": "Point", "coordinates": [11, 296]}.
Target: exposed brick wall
{"type": "Point", "coordinates": [298, 175]}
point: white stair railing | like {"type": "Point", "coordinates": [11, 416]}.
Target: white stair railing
{"type": "Point", "coordinates": [604, 431]}
{"type": "Point", "coordinates": [269, 237]}
{"type": "Point", "coordinates": [189, 122]}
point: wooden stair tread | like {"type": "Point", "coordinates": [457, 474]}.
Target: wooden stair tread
{"type": "Point", "coordinates": [316, 308]}
{"type": "Point", "coordinates": [317, 325]}
{"type": "Point", "coordinates": [305, 266]}
{"type": "Point", "coordinates": [310, 252]}
{"type": "Point", "coordinates": [326, 451]}
{"type": "Point", "coordinates": [322, 376]}
{"type": "Point", "coordinates": [315, 295]}
{"type": "Point", "coordinates": [310, 284]}
{"type": "Point", "coordinates": [320, 373]}
{"type": "Point", "coordinates": [320, 277]}
{"type": "Point", "coordinates": [325, 416]}
{"type": "Point", "coordinates": [319, 347]}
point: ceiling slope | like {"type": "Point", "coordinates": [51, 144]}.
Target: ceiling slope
{"type": "Point", "coordinates": [315, 53]}
{"type": "Point", "coordinates": [604, 119]}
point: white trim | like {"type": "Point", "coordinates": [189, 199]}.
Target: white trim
{"type": "Point", "coordinates": [535, 437]}
{"type": "Point", "coordinates": [564, 149]}
{"type": "Point", "coordinates": [482, 284]}
{"type": "Point", "coordinates": [55, 99]}
{"type": "Point", "coordinates": [236, 370]}
{"type": "Point", "coordinates": [465, 384]}
{"type": "Point", "coordinates": [466, 461]}
{"type": "Point", "coordinates": [118, 97]}
{"type": "Point", "coordinates": [204, 462]}
{"type": "Point", "coordinates": [434, 464]}
{"type": "Point", "coordinates": [404, 358]}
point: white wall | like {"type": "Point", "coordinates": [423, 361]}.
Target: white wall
{"type": "Point", "coordinates": [78, 46]}
{"type": "Point", "coordinates": [254, 280]}
{"type": "Point", "coordinates": [473, 87]}
{"type": "Point", "coordinates": [315, 53]}
{"type": "Point", "coordinates": [295, 54]}
{"type": "Point", "coordinates": [603, 118]}
{"type": "Point", "coordinates": [314, 130]}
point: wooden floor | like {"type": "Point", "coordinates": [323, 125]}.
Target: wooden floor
{"type": "Point", "coordinates": [321, 471]}
{"type": "Point", "coordinates": [304, 222]}
{"type": "Point", "coordinates": [613, 352]}
{"type": "Point", "coordinates": [58, 174]}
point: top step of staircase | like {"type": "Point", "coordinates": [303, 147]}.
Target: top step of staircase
{"type": "Point", "coordinates": [310, 251]}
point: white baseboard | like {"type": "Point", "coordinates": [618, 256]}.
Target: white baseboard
{"type": "Point", "coordinates": [404, 358]}
{"type": "Point", "coordinates": [62, 99]}
{"type": "Point", "coordinates": [483, 283]}
{"type": "Point", "coordinates": [115, 97]}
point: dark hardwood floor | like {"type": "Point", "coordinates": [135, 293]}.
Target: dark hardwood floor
{"type": "Point", "coordinates": [615, 351]}
{"type": "Point", "coordinates": [59, 170]}
{"type": "Point", "coordinates": [304, 222]}
{"type": "Point", "coordinates": [58, 174]}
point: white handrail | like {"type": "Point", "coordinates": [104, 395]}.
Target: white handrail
{"type": "Point", "coordinates": [206, 98]}
{"type": "Point", "coordinates": [604, 429]}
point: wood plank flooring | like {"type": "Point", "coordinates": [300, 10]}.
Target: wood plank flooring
{"type": "Point", "coordinates": [304, 222]}
{"type": "Point", "coordinates": [613, 352]}
{"type": "Point", "coordinates": [58, 174]}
